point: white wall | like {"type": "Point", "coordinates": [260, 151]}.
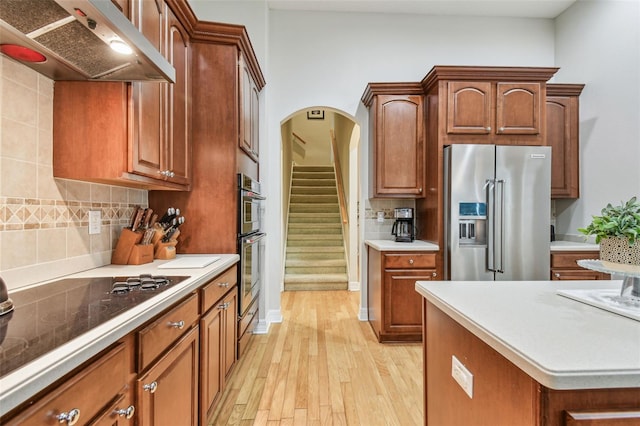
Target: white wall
{"type": "Point", "coordinates": [598, 44]}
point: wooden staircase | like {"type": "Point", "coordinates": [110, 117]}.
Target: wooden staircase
{"type": "Point", "coordinates": [315, 257]}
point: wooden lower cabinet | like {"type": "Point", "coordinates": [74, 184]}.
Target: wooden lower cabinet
{"type": "Point", "coordinates": [395, 308]}
{"type": "Point", "coordinates": [503, 394]}
{"type": "Point", "coordinates": [564, 266]}
{"type": "Point", "coordinates": [121, 413]}
{"type": "Point", "coordinates": [78, 398]}
{"type": "Point", "coordinates": [167, 393]}
{"type": "Point", "coordinates": [217, 351]}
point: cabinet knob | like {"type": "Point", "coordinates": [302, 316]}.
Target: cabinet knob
{"type": "Point", "coordinates": [127, 413]}
{"type": "Point", "coordinates": [151, 387]}
{"type": "Point", "coordinates": [435, 274]}
{"type": "Point", "coordinates": [488, 129]}
{"type": "Point", "coordinates": [70, 418]}
{"type": "Point", "coordinates": [224, 306]}
{"type": "Point", "coordinates": [557, 275]}
{"type": "Point", "coordinates": [225, 285]}
{"type": "Point", "coordinates": [420, 190]}
{"type": "Point", "coordinates": [178, 324]}
{"type": "Point", "coordinates": [410, 261]}
{"type": "Point", "coordinates": [171, 174]}
{"type": "Point", "coordinates": [501, 129]}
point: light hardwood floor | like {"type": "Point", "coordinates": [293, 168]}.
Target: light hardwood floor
{"type": "Point", "coordinates": [322, 366]}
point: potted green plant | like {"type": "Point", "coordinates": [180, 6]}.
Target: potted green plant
{"type": "Point", "coordinates": [617, 230]}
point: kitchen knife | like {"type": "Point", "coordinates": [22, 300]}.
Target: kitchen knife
{"type": "Point", "coordinates": [133, 216]}
{"type": "Point", "coordinates": [138, 220]}
{"type": "Point", "coordinates": [147, 218]}
{"type": "Point", "coordinates": [154, 219]}
{"type": "Point", "coordinates": [165, 217]}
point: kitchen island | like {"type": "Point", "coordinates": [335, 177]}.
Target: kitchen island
{"type": "Point", "coordinates": [524, 355]}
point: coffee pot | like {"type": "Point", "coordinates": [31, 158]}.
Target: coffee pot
{"type": "Point", "coordinates": [403, 228]}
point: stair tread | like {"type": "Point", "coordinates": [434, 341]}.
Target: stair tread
{"type": "Point", "coordinates": [315, 277]}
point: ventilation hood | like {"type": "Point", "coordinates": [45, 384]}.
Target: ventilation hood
{"type": "Point", "coordinates": [75, 38]}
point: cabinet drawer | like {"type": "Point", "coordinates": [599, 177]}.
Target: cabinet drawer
{"type": "Point", "coordinates": [568, 260]}
{"type": "Point", "coordinates": [217, 287]}
{"type": "Point", "coordinates": [409, 260]}
{"type": "Point", "coordinates": [157, 336]}
{"type": "Point", "coordinates": [80, 392]}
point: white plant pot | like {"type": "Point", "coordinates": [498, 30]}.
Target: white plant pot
{"type": "Point", "coordinates": [617, 250]}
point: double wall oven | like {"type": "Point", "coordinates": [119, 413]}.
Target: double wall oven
{"type": "Point", "coordinates": [251, 251]}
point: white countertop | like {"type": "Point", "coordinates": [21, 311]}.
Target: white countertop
{"type": "Point", "coordinates": [21, 384]}
{"type": "Point", "coordinates": [573, 246]}
{"type": "Point", "coordinates": [561, 343]}
{"type": "Point", "coordinates": [390, 245]}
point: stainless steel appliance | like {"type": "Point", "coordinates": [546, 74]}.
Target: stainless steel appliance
{"type": "Point", "coordinates": [497, 201]}
{"type": "Point", "coordinates": [251, 251]}
{"type": "Point", "coordinates": [404, 227]}
{"type": "Point", "coordinates": [75, 40]}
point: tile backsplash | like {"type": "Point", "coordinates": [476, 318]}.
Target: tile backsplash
{"type": "Point", "coordinates": [375, 230]}
{"type": "Point", "coordinates": [44, 220]}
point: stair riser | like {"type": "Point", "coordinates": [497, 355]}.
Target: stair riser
{"type": "Point", "coordinates": [308, 243]}
{"type": "Point", "coordinates": [326, 199]}
{"type": "Point", "coordinates": [311, 190]}
{"type": "Point", "coordinates": [313, 175]}
{"type": "Point", "coordinates": [313, 182]}
{"type": "Point", "coordinates": [319, 270]}
{"type": "Point", "coordinates": [313, 208]}
{"type": "Point", "coordinates": [312, 230]}
{"type": "Point", "coordinates": [315, 287]}
{"type": "Point", "coordinates": [313, 219]}
{"type": "Point", "coordinates": [312, 168]}
{"type": "Point", "coordinates": [315, 256]}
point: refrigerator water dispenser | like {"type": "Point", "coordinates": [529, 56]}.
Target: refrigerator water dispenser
{"type": "Point", "coordinates": [472, 224]}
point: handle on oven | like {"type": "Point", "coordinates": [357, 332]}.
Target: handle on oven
{"type": "Point", "coordinates": [253, 238]}
{"type": "Point", "coordinates": [253, 195]}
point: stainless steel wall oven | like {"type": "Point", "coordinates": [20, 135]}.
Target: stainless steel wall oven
{"type": "Point", "coordinates": [251, 251]}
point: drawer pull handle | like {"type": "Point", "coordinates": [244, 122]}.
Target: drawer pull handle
{"type": "Point", "coordinates": [151, 387]}
{"type": "Point", "coordinates": [70, 418]}
{"type": "Point", "coordinates": [225, 285]}
{"type": "Point", "coordinates": [435, 274]}
{"type": "Point", "coordinates": [127, 413]}
{"type": "Point", "coordinates": [179, 325]}
{"type": "Point", "coordinates": [410, 261]}
{"type": "Point", "coordinates": [557, 275]}
{"type": "Point", "coordinates": [223, 306]}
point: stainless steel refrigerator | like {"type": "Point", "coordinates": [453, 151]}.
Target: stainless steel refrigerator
{"type": "Point", "coordinates": [497, 212]}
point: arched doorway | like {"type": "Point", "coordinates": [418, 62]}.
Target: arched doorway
{"type": "Point", "coordinates": [316, 137]}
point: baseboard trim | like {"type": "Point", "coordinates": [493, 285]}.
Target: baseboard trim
{"type": "Point", "coordinates": [273, 317]}
{"type": "Point", "coordinates": [363, 315]}
{"type": "Point", "coordinates": [354, 285]}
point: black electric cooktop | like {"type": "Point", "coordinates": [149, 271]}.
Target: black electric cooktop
{"type": "Point", "coordinates": [48, 316]}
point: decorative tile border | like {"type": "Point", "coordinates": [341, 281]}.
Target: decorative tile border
{"type": "Point", "coordinates": [28, 213]}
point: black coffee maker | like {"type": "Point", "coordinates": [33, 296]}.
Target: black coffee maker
{"type": "Point", "coordinates": [403, 228]}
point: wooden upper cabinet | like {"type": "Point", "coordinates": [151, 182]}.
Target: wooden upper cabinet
{"type": "Point", "coordinates": [131, 134]}
{"type": "Point", "coordinates": [178, 103]}
{"type": "Point", "coordinates": [249, 110]}
{"type": "Point", "coordinates": [562, 104]}
{"type": "Point", "coordinates": [148, 97]}
{"type": "Point", "coordinates": [469, 106]}
{"type": "Point", "coordinates": [518, 108]}
{"type": "Point", "coordinates": [397, 140]}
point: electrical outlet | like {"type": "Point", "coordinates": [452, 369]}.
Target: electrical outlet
{"type": "Point", "coordinates": [94, 221]}
{"type": "Point", "coordinates": [461, 375]}
{"type": "Point", "coordinates": [380, 217]}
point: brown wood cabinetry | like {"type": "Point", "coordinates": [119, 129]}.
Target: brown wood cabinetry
{"type": "Point", "coordinates": [396, 139]}
{"type": "Point", "coordinates": [564, 266]}
{"type": "Point", "coordinates": [216, 51]}
{"type": "Point", "coordinates": [488, 108]}
{"type": "Point", "coordinates": [249, 110]}
{"type": "Point", "coordinates": [563, 124]}
{"type": "Point", "coordinates": [78, 398]}
{"type": "Point", "coordinates": [130, 134]}
{"type": "Point", "coordinates": [395, 308]}
{"type": "Point", "coordinates": [168, 391]}
{"type": "Point", "coordinates": [217, 339]}
{"type": "Point", "coordinates": [503, 394]}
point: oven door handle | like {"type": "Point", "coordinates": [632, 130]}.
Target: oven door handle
{"type": "Point", "coordinates": [253, 195]}
{"type": "Point", "coordinates": [252, 239]}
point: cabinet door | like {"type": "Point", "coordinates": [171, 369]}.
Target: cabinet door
{"type": "Point", "coordinates": [399, 147]}
{"type": "Point", "coordinates": [230, 331]}
{"type": "Point", "coordinates": [248, 108]}
{"type": "Point", "coordinates": [211, 331]}
{"type": "Point", "coordinates": [168, 392]}
{"type": "Point", "coordinates": [518, 108]}
{"type": "Point", "coordinates": [402, 304]}
{"type": "Point", "coordinates": [178, 149]}
{"type": "Point", "coordinates": [562, 137]}
{"type": "Point", "coordinates": [469, 106]}
{"type": "Point", "coordinates": [583, 274]}
{"type": "Point", "coordinates": [147, 97]}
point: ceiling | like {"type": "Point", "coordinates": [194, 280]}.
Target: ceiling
{"type": "Point", "coordinates": [502, 8]}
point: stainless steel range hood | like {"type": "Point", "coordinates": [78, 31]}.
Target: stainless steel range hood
{"type": "Point", "coordinates": [75, 38]}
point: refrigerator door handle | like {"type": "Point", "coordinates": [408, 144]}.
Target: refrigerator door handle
{"type": "Point", "coordinates": [490, 202]}
{"type": "Point", "coordinates": [499, 226]}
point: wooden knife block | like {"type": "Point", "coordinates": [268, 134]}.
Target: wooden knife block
{"type": "Point", "coordinates": [127, 241]}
